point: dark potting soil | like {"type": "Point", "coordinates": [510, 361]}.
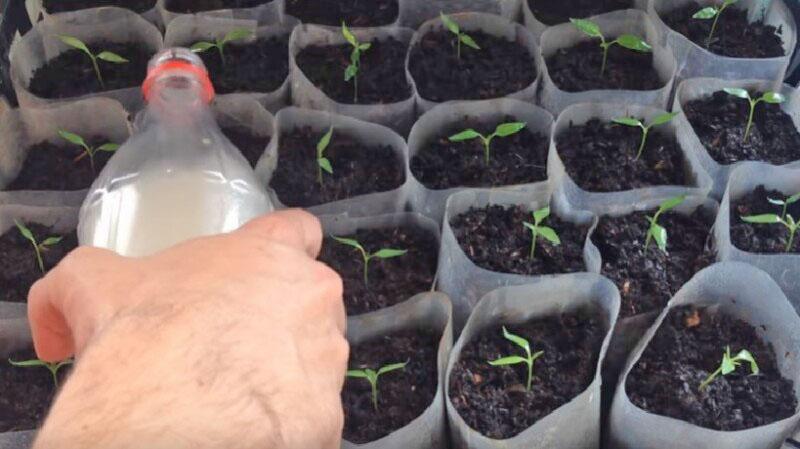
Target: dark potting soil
{"type": "Point", "coordinates": [734, 36]}
{"type": "Point", "coordinates": [56, 6]}
{"type": "Point", "coordinates": [720, 121]}
{"type": "Point", "coordinates": [251, 145]}
{"type": "Point", "coordinates": [381, 76]}
{"type": "Point", "coordinates": [647, 279]}
{"type": "Point", "coordinates": [517, 159]}
{"type": "Point", "coordinates": [687, 348]}
{"type": "Point", "coordinates": [499, 68]}
{"type": "Point", "coordinates": [357, 169]}
{"type": "Point", "coordinates": [402, 395]}
{"type": "Point", "coordinates": [71, 74]}
{"type": "Point", "coordinates": [553, 12]}
{"type": "Point", "coordinates": [494, 400]}
{"type": "Point", "coordinates": [51, 166]}
{"type": "Point", "coordinates": [762, 238]}
{"type": "Point", "coordinates": [18, 266]}
{"type": "Point", "coordinates": [601, 157]}
{"type": "Point", "coordinates": [25, 393]}
{"type": "Point", "coordinates": [260, 66]}
{"type": "Point", "coordinates": [193, 6]}
{"type": "Point", "coordinates": [495, 239]}
{"type": "Point", "coordinates": [355, 13]}
{"type": "Point", "coordinates": [577, 69]}
{"type": "Point", "coordinates": [391, 281]}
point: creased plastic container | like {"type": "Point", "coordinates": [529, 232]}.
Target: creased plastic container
{"type": "Point", "coordinates": [37, 11]}
{"type": "Point", "coordinates": [414, 12]}
{"type": "Point", "coordinates": [538, 28]}
{"type": "Point", "coordinates": [267, 13]}
{"type": "Point", "coordinates": [245, 113]}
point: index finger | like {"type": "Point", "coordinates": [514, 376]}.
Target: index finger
{"type": "Point", "coordinates": [293, 227]}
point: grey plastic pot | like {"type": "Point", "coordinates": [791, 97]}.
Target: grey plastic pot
{"type": "Point", "coordinates": [574, 425]}
{"type": "Point", "coordinates": [698, 88]}
{"type": "Point", "coordinates": [426, 310]}
{"type": "Point", "coordinates": [538, 27]}
{"type": "Point", "coordinates": [37, 12]}
{"type": "Point", "coordinates": [748, 294]}
{"type": "Point", "coordinates": [41, 44]}
{"type": "Point", "coordinates": [415, 12]}
{"type": "Point", "coordinates": [695, 61]}
{"type": "Point", "coordinates": [243, 112]}
{"type": "Point", "coordinates": [613, 24]}
{"type": "Point", "coordinates": [398, 116]}
{"type": "Point", "coordinates": [431, 202]}
{"type": "Point", "coordinates": [264, 14]}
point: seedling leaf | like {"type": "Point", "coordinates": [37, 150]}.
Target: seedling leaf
{"type": "Point", "coordinates": [634, 43]}
{"type": "Point", "coordinates": [672, 203]}
{"type": "Point", "coordinates": [550, 235]}
{"type": "Point", "coordinates": [237, 35]}
{"type": "Point", "coordinates": [510, 360]}
{"type": "Point", "coordinates": [390, 368]}
{"type": "Point", "coordinates": [449, 23]}
{"type": "Point", "coordinates": [663, 119]}
{"type": "Point", "coordinates": [111, 57]}
{"type": "Point", "coordinates": [72, 138]}
{"type": "Point", "coordinates": [773, 98]}
{"type": "Point", "coordinates": [516, 339]}
{"type": "Point", "coordinates": [75, 43]}
{"type": "Point", "coordinates": [348, 35]}
{"type": "Point", "coordinates": [349, 242]}
{"type": "Point", "coordinates": [108, 147]}
{"type": "Point", "coordinates": [390, 253]}
{"type": "Point", "coordinates": [762, 219]}
{"type": "Point", "coordinates": [323, 143]}
{"type": "Point", "coordinates": [465, 135]}
{"type": "Point", "coordinates": [325, 164]}
{"type": "Point", "coordinates": [509, 129]}
{"type": "Point", "coordinates": [628, 121]}
{"type": "Point", "coordinates": [541, 214]}
{"type": "Point", "coordinates": [737, 92]}
{"type": "Point", "coordinates": [587, 27]}
{"type": "Point", "coordinates": [469, 41]}
{"type": "Point", "coordinates": [706, 13]}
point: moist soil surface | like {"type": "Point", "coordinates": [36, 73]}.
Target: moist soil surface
{"type": "Point", "coordinates": [494, 400]}
{"type": "Point", "coordinates": [260, 66]}
{"type": "Point", "coordinates": [734, 36]}
{"type": "Point", "coordinates": [499, 68]}
{"type": "Point", "coordinates": [391, 281]}
{"type": "Point", "coordinates": [687, 348]}
{"type": "Point", "coordinates": [762, 238]}
{"type": "Point", "coordinates": [355, 13]}
{"type": "Point", "coordinates": [357, 169]}
{"type": "Point", "coordinates": [18, 266]}
{"type": "Point", "coordinates": [647, 279]}
{"type": "Point", "coordinates": [25, 393]}
{"type": "Point", "coordinates": [495, 239]}
{"type": "Point", "coordinates": [71, 74]}
{"type": "Point", "coordinates": [402, 395]}
{"type": "Point", "coordinates": [554, 12]}
{"type": "Point", "coordinates": [517, 159]}
{"type": "Point", "coordinates": [251, 145]}
{"type": "Point", "coordinates": [192, 6]}
{"type": "Point", "coordinates": [51, 166]}
{"type": "Point", "coordinates": [381, 76]}
{"type": "Point", "coordinates": [720, 121]}
{"type": "Point", "coordinates": [56, 6]}
{"type": "Point", "coordinates": [601, 157]}
{"type": "Point", "coordinates": [577, 69]}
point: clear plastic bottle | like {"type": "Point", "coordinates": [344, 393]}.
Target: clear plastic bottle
{"type": "Point", "coordinates": [178, 177]}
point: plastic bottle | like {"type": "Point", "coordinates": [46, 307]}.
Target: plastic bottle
{"type": "Point", "coordinates": [178, 177]}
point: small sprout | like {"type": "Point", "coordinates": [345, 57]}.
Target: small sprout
{"type": "Point", "coordinates": [52, 367]}
{"type": "Point", "coordinates": [461, 38]}
{"type": "Point", "coordinates": [372, 377]}
{"type": "Point", "coordinates": [502, 130]}
{"type": "Point", "coordinates": [628, 41]}
{"type": "Point", "coordinates": [712, 12]}
{"type": "Point", "coordinates": [792, 224]}
{"type": "Point", "coordinates": [106, 56]}
{"type": "Point", "coordinates": [38, 248]}
{"type": "Point", "coordinates": [87, 150]}
{"type": "Point", "coordinates": [234, 35]}
{"type": "Point", "coordinates": [768, 97]}
{"type": "Point", "coordinates": [630, 121]}
{"type": "Point", "coordinates": [529, 358]}
{"type": "Point", "coordinates": [351, 72]}
{"type": "Point", "coordinates": [323, 163]}
{"type": "Point", "coordinates": [729, 365]}
{"type": "Point", "coordinates": [537, 229]}
{"type": "Point", "coordinates": [656, 231]}
{"type": "Point", "coordinates": [386, 253]}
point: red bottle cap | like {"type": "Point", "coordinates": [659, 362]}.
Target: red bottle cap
{"type": "Point", "coordinates": [177, 66]}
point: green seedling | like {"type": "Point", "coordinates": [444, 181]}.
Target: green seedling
{"type": "Point", "coordinates": [106, 56]}
{"type": "Point", "coordinates": [713, 12]}
{"type": "Point", "coordinates": [351, 72]}
{"type": "Point", "coordinates": [234, 35]}
{"type": "Point", "coordinates": [656, 231]}
{"type": "Point", "coordinates": [88, 151]}
{"type": "Point", "coordinates": [461, 38]}
{"type": "Point", "coordinates": [729, 365]}
{"type": "Point", "coordinates": [323, 163]}
{"type": "Point", "coordinates": [386, 253]}
{"type": "Point", "coordinates": [529, 358]}
{"type": "Point", "coordinates": [768, 97]}
{"type": "Point", "coordinates": [372, 377]}
{"type": "Point", "coordinates": [792, 224]}
{"type": "Point", "coordinates": [502, 130]}
{"type": "Point", "coordinates": [52, 367]}
{"type": "Point", "coordinates": [38, 248]}
{"type": "Point", "coordinates": [630, 121]}
{"type": "Point", "coordinates": [537, 229]}
{"type": "Point", "coordinates": [628, 41]}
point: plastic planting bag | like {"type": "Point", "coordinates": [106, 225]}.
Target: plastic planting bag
{"type": "Point", "coordinates": [699, 88]}
{"type": "Point", "coordinates": [267, 13]}
{"type": "Point", "coordinates": [41, 44]}
{"type": "Point", "coordinates": [612, 25]}
{"type": "Point", "coordinates": [245, 113]}
{"type": "Point", "coordinates": [398, 116]}
{"type": "Point", "coordinates": [432, 202]}
{"type": "Point", "coordinates": [695, 61]}
{"type": "Point", "coordinates": [37, 11]}
{"type": "Point", "coordinates": [20, 129]}
{"type": "Point", "coordinates": [424, 311]}
{"type": "Point", "coordinates": [750, 295]}
{"type": "Point", "coordinates": [414, 12]}
{"type": "Point", "coordinates": [574, 425]}
{"type": "Point", "coordinates": [538, 28]}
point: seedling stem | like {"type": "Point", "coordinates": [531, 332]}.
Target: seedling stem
{"type": "Point", "coordinates": [236, 34]}
{"type": "Point", "coordinates": [386, 253]}
{"type": "Point", "coordinates": [529, 358]}
{"type": "Point", "coordinates": [38, 248]}
{"type": "Point", "coordinates": [768, 97]}
{"type": "Point", "coordinates": [537, 229]}
{"type": "Point", "coordinates": [52, 367]}
{"type": "Point", "coordinates": [630, 121]}
{"type": "Point", "coordinates": [464, 38]}
{"type": "Point", "coordinates": [712, 12]}
{"type": "Point", "coordinates": [628, 41]}
{"type": "Point", "coordinates": [502, 130]}
{"type": "Point", "coordinates": [107, 56]}
{"type": "Point", "coordinates": [87, 150]}
{"type": "Point", "coordinates": [372, 377]}
{"type": "Point", "coordinates": [323, 163]}
{"type": "Point", "coordinates": [792, 224]}
{"type": "Point", "coordinates": [656, 231]}
{"type": "Point", "coordinates": [729, 365]}
{"type": "Point", "coordinates": [351, 72]}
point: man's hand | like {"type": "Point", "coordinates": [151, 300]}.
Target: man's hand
{"type": "Point", "coordinates": [234, 341]}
